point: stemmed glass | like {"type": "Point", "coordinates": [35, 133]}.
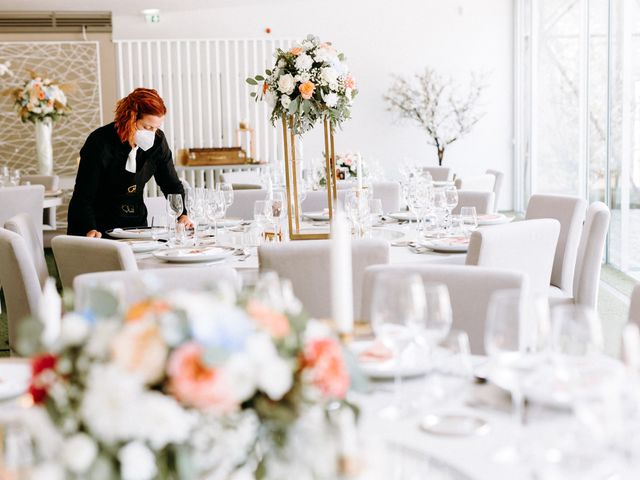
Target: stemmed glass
{"type": "Point", "coordinates": [175, 207]}
{"type": "Point", "coordinates": [216, 208]}
{"type": "Point", "coordinates": [451, 198]}
{"type": "Point", "coordinates": [356, 204]}
{"type": "Point", "coordinates": [275, 210]}
{"type": "Point", "coordinates": [227, 191]}
{"type": "Point", "coordinates": [469, 219]}
{"type": "Point", "coordinates": [397, 313]}
{"type": "Point", "coordinates": [512, 341]}
{"type": "Point", "coordinates": [440, 207]}
{"type": "Point", "coordinates": [260, 215]}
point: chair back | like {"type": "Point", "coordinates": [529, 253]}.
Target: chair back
{"type": "Point", "coordinates": [480, 183]}
{"type": "Point", "coordinates": [390, 195]}
{"type": "Point", "coordinates": [634, 306]}
{"type": "Point", "coordinates": [306, 264]}
{"type": "Point", "coordinates": [49, 182]}
{"type": "Point", "coordinates": [19, 279]}
{"type": "Point", "coordinates": [570, 212]}
{"type": "Point", "coordinates": [77, 255]}
{"type": "Point", "coordinates": [156, 210]}
{"type": "Point", "coordinates": [27, 199]}
{"type": "Point", "coordinates": [497, 184]}
{"type": "Point", "coordinates": [23, 225]}
{"type": "Point", "coordinates": [527, 247]}
{"type": "Point", "coordinates": [243, 202]}
{"type": "Point", "coordinates": [438, 174]}
{"type": "Point", "coordinates": [137, 285]}
{"type": "Point", "coordinates": [483, 201]}
{"type": "Point", "coordinates": [242, 180]}
{"type": "Point", "coordinates": [590, 252]}
{"type": "Point", "coordinates": [470, 290]}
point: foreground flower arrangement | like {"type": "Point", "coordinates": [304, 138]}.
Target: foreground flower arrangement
{"type": "Point", "coordinates": [193, 386]}
{"type": "Point", "coordinates": [310, 81]}
{"type": "Point", "coordinates": [40, 98]}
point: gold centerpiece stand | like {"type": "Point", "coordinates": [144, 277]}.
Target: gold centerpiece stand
{"type": "Point", "coordinates": [291, 178]}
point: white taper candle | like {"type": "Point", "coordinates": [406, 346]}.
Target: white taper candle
{"type": "Point", "coordinates": [359, 171]}
{"type": "Point", "coordinates": [341, 276]}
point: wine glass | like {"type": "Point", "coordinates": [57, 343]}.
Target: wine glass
{"type": "Point", "coordinates": [275, 210]}
{"type": "Point", "coordinates": [511, 341]}
{"type": "Point", "coordinates": [397, 312]}
{"type": "Point", "coordinates": [469, 219]}
{"type": "Point", "coordinates": [440, 207]}
{"type": "Point", "coordinates": [227, 191]}
{"type": "Point", "coordinates": [356, 204]}
{"type": "Point", "coordinates": [451, 198]}
{"type": "Point", "coordinates": [260, 215]}
{"type": "Point", "coordinates": [175, 208]}
{"type": "Point", "coordinates": [215, 208]}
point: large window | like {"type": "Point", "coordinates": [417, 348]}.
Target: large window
{"type": "Point", "coordinates": [578, 109]}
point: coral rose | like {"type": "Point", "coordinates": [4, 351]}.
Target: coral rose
{"type": "Point", "coordinates": [296, 51]}
{"type": "Point", "coordinates": [144, 308]}
{"type": "Point", "coordinates": [196, 384]}
{"type": "Point", "coordinates": [306, 90]}
{"type": "Point", "coordinates": [140, 349]}
{"type": "Point", "coordinates": [323, 362]}
{"type": "Point", "coordinates": [272, 321]}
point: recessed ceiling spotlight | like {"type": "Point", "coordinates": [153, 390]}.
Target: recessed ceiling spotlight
{"type": "Point", "coordinates": [151, 15]}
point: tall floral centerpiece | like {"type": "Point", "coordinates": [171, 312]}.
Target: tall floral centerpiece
{"type": "Point", "coordinates": [191, 386]}
{"type": "Point", "coordinates": [42, 102]}
{"type": "Point", "coordinates": [308, 83]}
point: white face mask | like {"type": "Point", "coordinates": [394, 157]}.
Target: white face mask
{"type": "Point", "coordinates": [144, 139]}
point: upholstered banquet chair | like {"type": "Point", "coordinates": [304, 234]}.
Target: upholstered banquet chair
{"type": "Point", "coordinates": [438, 174]}
{"type": "Point", "coordinates": [390, 195]}
{"type": "Point", "coordinates": [306, 264]}
{"type": "Point", "coordinates": [242, 180]}
{"type": "Point", "coordinates": [470, 289]}
{"type": "Point", "coordinates": [27, 199]}
{"type": "Point", "coordinates": [136, 285]}
{"type": "Point", "coordinates": [570, 212]}
{"type": "Point", "coordinates": [49, 182]}
{"type": "Point", "coordinates": [634, 306]}
{"type": "Point", "coordinates": [243, 202]}
{"type": "Point", "coordinates": [23, 225]}
{"type": "Point", "coordinates": [527, 247]}
{"type": "Point", "coordinates": [479, 183]}
{"type": "Point", "coordinates": [20, 283]}
{"type": "Point", "coordinates": [78, 255]}
{"type": "Point", "coordinates": [483, 201]}
{"type": "Point", "coordinates": [497, 184]}
{"type": "Point", "coordinates": [586, 279]}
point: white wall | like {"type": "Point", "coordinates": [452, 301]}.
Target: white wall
{"type": "Point", "coordinates": [381, 37]}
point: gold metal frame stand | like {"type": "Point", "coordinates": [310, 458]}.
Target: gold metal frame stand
{"type": "Point", "coordinates": [291, 178]}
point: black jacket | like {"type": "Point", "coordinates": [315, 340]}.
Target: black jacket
{"type": "Point", "coordinates": [107, 196]}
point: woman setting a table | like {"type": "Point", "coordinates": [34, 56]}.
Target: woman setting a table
{"type": "Point", "coordinates": [116, 162]}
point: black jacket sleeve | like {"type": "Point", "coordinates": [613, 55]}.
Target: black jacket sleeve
{"type": "Point", "coordinates": [81, 217]}
{"type": "Point", "coordinates": [165, 175]}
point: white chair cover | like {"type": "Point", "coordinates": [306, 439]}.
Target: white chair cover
{"type": "Point", "coordinates": [137, 285]}
{"type": "Point", "coordinates": [483, 201]}
{"type": "Point", "coordinates": [470, 289]}
{"type": "Point", "coordinates": [569, 211]}
{"type": "Point", "coordinates": [78, 255]}
{"type": "Point", "coordinates": [497, 185]}
{"type": "Point", "coordinates": [23, 225]}
{"type": "Point", "coordinates": [390, 194]}
{"type": "Point", "coordinates": [306, 264]}
{"type": "Point", "coordinates": [438, 174]}
{"type": "Point", "coordinates": [19, 280]}
{"type": "Point", "coordinates": [23, 199]}
{"type": "Point", "coordinates": [634, 306]}
{"type": "Point", "coordinates": [242, 180]}
{"type": "Point", "coordinates": [527, 247]}
{"type": "Point", "coordinates": [49, 182]}
{"type": "Point", "coordinates": [156, 210]}
{"type": "Point", "coordinates": [243, 202]}
{"type": "Point", "coordinates": [480, 183]}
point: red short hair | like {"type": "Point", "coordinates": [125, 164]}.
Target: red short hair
{"type": "Point", "coordinates": [140, 102]}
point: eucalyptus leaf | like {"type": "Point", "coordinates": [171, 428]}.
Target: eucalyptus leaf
{"type": "Point", "coordinates": [293, 106]}
{"type": "Point", "coordinates": [251, 81]}
{"type": "Point", "coordinates": [260, 78]}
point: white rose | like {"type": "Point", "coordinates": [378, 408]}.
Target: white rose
{"type": "Point", "coordinates": [137, 462]}
{"type": "Point", "coordinates": [331, 100]}
{"type": "Point", "coordinates": [239, 370]}
{"type": "Point", "coordinates": [334, 86]}
{"type": "Point", "coordinates": [285, 101]}
{"type": "Point", "coordinates": [75, 330]}
{"type": "Point", "coordinates": [286, 84]}
{"type": "Point", "coordinates": [329, 75]}
{"type": "Point", "coordinates": [275, 377]}
{"type": "Point", "coordinates": [281, 63]}
{"type": "Point", "coordinates": [304, 62]}
{"type": "Point", "coordinates": [79, 452]}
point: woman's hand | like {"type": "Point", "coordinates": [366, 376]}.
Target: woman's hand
{"type": "Point", "coordinates": [94, 234]}
{"type": "Point", "coordinates": [185, 221]}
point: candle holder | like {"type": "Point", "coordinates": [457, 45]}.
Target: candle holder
{"type": "Point", "coordinates": [291, 178]}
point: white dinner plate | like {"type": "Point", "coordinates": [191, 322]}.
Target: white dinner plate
{"type": "Point", "coordinates": [15, 378]}
{"type": "Point", "coordinates": [193, 254]}
{"type": "Point", "coordinates": [448, 245]}
{"type": "Point", "coordinates": [229, 222]}
{"type": "Point", "coordinates": [403, 216]}
{"type": "Point", "coordinates": [130, 233]}
{"type": "Point", "coordinates": [317, 216]}
{"type": "Point", "coordinates": [493, 219]}
{"type": "Point", "coordinates": [141, 246]}
{"type": "Point", "coordinates": [413, 364]}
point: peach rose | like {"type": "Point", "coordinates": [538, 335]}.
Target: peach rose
{"type": "Point", "coordinates": [144, 308]}
{"type": "Point", "coordinates": [323, 362]}
{"type": "Point", "coordinates": [350, 82]}
{"type": "Point", "coordinates": [327, 46]}
{"type": "Point", "coordinates": [140, 348]}
{"type": "Point", "coordinates": [306, 90]}
{"type": "Point", "coordinates": [272, 321]}
{"type": "Point", "coordinates": [196, 384]}
{"type": "Point", "coordinates": [296, 51]}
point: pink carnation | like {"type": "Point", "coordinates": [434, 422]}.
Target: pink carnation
{"type": "Point", "coordinates": [323, 362]}
{"type": "Point", "coordinates": [195, 384]}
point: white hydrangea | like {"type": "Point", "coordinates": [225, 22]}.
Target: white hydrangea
{"type": "Point", "coordinates": [331, 100]}
{"type": "Point", "coordinates": [303, 62]}
{"type": "Point", "coordinates": [286, 84]}
{"type": "Point", "coordinates": [273, 373]}
{"type": "Point", "coordinates": [75, 330]}
{"type": "Point", "coordinates": [329, 75]}
{"type": "Point", "coordinates": [79, 453]}
{"type": "Point", "coordinates": [285, 100]}
{"type": "Point", "coordinates": [137, 462]}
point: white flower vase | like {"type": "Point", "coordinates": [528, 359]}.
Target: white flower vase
{"type": "Point", "coordinates": [44, 149]}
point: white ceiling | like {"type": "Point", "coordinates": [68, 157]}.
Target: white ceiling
{"type": "Point", "coordinates": [118, 6]}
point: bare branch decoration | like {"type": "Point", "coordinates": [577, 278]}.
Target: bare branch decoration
{"type": "Point", "coordinates": [443, 108]}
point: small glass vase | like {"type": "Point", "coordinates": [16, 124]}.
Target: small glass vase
{"type": "Point", "coordinates": [44, 148]}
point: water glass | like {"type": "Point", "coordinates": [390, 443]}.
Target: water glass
{"type": "Point", "coordinates": [260, 215]}
{"type": "Point", "coordinates": [470, 219]}
{"type": "Point", "coordinates": [227, 192]}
